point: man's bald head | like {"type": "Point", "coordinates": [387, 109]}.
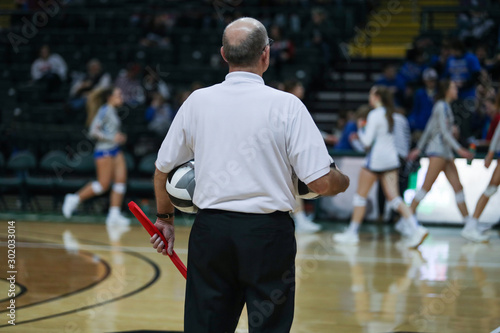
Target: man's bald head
{"type": "Point", "coordinates": [243, 41]}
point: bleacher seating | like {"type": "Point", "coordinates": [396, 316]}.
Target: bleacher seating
{"type": "Point", "coordinates": [107, 30]}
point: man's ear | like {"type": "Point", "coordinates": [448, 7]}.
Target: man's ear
{"type": "Point", "coordinates": [265, 56]}
{"type": "Point", "coordinates": [222, 53]}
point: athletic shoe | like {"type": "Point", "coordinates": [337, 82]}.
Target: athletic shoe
{"type": "Point", "coordinates": [71, 201]}
{"type": "Point", "coordinates": [303, 225]}
{"type": "Point", "coordinates": [403, 228]}
{"type": "Point", "coordinates": [347, 237]}
{"type": "Point", "coordinates": [417, 237]}
{"type": "Point", "coordinates": [117, 220]}
{"type": "Point", "coordinates": [474, 235]}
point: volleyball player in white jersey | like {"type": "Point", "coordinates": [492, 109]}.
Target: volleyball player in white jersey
{"type": "Point", "coordinates": [382, 163]}
{"type": "Point", "coordinates": [439, 143]}
{"type": "Point", "coordinates": [495, 178]}
{"type": "Point", "coordinates": [109, 160]}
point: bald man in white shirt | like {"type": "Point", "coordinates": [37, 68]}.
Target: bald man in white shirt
{"type": "Point", "coordinates": [247, 140]}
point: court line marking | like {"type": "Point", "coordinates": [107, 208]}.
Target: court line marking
{"type": "Point", "coordinates": [318, 257]}
{"type": "Point", "coordinates": [106, 275]}
{"type": "Point", "coordinates": [156, 276]}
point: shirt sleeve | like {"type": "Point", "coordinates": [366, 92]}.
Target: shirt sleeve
{"type": "Point", "coordinates": [444, 130]}
{"type": "Point", "coordinates": [175, 148]}
{"type": "Point", "coordinates": [495, 142]}
{"type": "Point", "coordinates": [306, 149]}
{"type": "Point", "coordinates": [367, 134]}
{"type": "Point", "coordinates": [35, 70]}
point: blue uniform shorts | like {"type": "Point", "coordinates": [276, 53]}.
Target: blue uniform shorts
{"type": "Point", "coordinates": [106, 153]}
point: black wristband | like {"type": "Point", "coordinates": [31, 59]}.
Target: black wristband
{"type": "Point", "coordinates": [165, 216]}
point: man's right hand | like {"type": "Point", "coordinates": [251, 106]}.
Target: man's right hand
{"type": "Point", "coordinates": [168, 231]}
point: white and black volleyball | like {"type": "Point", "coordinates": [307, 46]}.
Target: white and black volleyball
{"type": "Point", "coordinates": [302, 190]}
{"type": "Point", "coordinates": [180, 187]}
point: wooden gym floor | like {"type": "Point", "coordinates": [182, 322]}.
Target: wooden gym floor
{"type": "Point", "coordinates": [72, 278]}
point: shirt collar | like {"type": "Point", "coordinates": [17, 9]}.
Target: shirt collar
{"type": "Point", "coordinates": [235, 77]}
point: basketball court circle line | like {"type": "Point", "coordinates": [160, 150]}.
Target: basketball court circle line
{"type": "Point", "coordinates": [318, 257]}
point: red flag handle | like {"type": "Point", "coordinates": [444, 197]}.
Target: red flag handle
{"type": "Point", "coordinates": [151, 229]}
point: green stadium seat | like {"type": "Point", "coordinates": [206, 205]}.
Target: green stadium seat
{"type": "Point", "coordinates": [14, 182]}
{"type": "Point", "coordinates": [143, 186]}
{"type": "Point", "coordinates": [50, 172]}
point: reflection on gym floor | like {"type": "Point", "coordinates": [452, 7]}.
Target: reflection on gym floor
{"type": "Point", "coordinates": [89, 278]}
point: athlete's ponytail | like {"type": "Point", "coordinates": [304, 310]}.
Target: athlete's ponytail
{"type": "Point", "coordinates": [95, 100]}
{"type": "Point", "coordinates": [387, 101]}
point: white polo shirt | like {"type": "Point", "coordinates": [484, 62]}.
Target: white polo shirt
{"type": "Point", "coordinates": [246, 139]}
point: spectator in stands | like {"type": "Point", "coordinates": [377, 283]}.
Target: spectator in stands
{"type": "Point", "coordinates": [130, 85]}
{"type": "Point", "coordinates": [348, 141]}
{"type": "Point", "coordinates": [282, 49]}
{"type": "Point", "coordinates": [320, 33]}
{"type": "Point", "coordinates": [481, 52]}
{"type": "Point", "coordinates": [159, 115]}
{"type": "Point", "coordinates": [411, 74]}
{"type": "Point", "coordinates": [423, 102]}
{"type": "Point", "coordinates": [49, 70]}
{"type": "Point", "coordinates": [439, 61]}
{"type": "Point", "coordinates": [394, 82]}
{"type": "Point", "coordinates": [411, 70]}
{"type": "Point", "coordinates": [463, 69]}
{"type": "Point", "coordinates": [484, 92]}
{"type": "Point", "coordinates": [494, 68]}
{"type": "Point", "coordinates": [156, 31]}
{"type": "Point", "coordinates": [153, 85]}
{"type": "Point", "coordinates": [95, 78]}
{"type": "Point", "coordinates": [474, 27]}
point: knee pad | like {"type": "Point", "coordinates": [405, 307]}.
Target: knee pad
{"type": "Point", "coordinates": [460, 197]}
{"type": "Point", "coordinates": [97, 187]}
{"type": "Point", "coordinates": [490, 190]}
{"type": "Point", "coordinates": [394, 203]}
{"type": "Point", "coordinates": [358, 201]}
{"type": "Point", "coordinates": [420, 195]}
{"type": "Point", "coordinates": [119, 188]}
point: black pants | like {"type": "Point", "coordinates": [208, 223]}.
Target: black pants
{"type": "Point", "coordinates": [237, 258]}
